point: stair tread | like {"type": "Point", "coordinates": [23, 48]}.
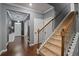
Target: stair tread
{"type": "Point", "coordinates": [55, 42]}
{"type": "Point", "coordinates": [58, 33]}
{"type": "Point", "coordinates": [46, 52]}
{"type": "Point", "coordinates": [56, 37]}
{"type": "Point", "coordinates": [53, 48]}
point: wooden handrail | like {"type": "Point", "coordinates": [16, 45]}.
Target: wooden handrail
{"type": "Point", "coordinates": [45, 25]}
{"type": "Point", "coordinates": [50, 21]}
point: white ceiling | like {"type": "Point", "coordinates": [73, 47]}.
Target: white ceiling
{"type": "Point", "coordinates": [39, 7]}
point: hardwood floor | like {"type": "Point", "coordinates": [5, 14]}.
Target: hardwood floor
{"type": "Point", "coordinates": [20, 48]}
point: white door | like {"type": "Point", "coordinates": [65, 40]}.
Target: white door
{"type": "Point", "coordinates": [17, 29]}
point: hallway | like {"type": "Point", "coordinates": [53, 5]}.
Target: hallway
{"type": "Point", "coordinates": [19, 48]}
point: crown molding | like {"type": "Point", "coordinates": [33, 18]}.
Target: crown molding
{"type": "Point", "coordinates": [30, 8]}
{"type": "Point", "coordinates": [11, 4]}
{"type": "Point", "coordinates": [48, 10]}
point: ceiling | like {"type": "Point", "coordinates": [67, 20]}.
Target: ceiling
{"type": "Point", "coordinates": [38, 7]}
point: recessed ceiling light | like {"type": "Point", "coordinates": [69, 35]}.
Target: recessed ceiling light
{"type": "Point", "coordinates": [30, 4]}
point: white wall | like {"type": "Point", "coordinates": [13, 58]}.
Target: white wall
{"type": "Point", "coordinates": [72, 7]}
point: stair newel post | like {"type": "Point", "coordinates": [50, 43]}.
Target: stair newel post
{"type": "Point", "coordinates": [62, 49]}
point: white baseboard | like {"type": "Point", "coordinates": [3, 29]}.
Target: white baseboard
{"type": "Point", "coordinates": [3, 51]}
{"type": "Point", "coordinates": [7, 44]}
{"type": "Point", "coordinates": [32, 44]}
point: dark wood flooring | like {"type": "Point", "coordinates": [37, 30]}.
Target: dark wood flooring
{"type": "Point", "coordinates": [20, 48]}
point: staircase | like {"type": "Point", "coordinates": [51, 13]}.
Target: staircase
{"type": "Point", "coordinates": [53, 46]}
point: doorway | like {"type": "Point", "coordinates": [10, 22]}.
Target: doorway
{"type": "Point", "coordinates": [17, 29]}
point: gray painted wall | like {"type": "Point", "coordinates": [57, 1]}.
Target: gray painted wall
{"type": "Point", "coordinates": [41, 22]}
{"type": "Point", "coordinates": [32, 17]}
{"type": "Point", "coordinates": [77, 17]}
{"type": "Point", "coordinates": [49, 29]}
{"type": "Point", "coordinates": [59, 6]}
{"type": "Point", "coordinates": [50, 13]}
{"type": "Point", "coordinates": [4, 28]}
{"type": "Point", "coordinates": [0, 30]}
{"type": "Point", "coordinates": [77, 22]}
{"type": "Point", "coordinates": [62, 9]}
